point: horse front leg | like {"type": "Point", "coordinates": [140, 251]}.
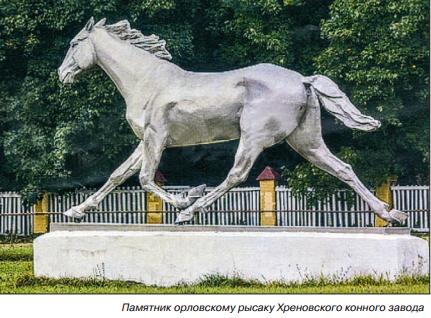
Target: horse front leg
{"type": "Point", "coordinates": [246, 155]}
{"type": "Point", "coordinates": [126, 170]}
{"type": "Point", "coordinates": [154, 144]}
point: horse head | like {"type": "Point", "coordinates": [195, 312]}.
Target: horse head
{"type": "Point", "coordinates": [81, 54]}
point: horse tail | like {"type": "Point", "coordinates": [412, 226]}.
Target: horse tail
{"type": "Point", "coordinates": [338, 104]}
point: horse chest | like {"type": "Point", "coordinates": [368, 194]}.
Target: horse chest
{"type": "Point", "coordinates": [137, 123]}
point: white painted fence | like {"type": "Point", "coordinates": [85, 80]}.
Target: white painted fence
{"type": "Point", "coordinates": [240, 206]}
{"type": "Point", "coordinates": [21, 222]}
{"type": "Point", "coordinates": [128, 205]}
{"type": "Point", "coordinates": [415, 201]}
{"type": "Point", "coordinates": [342, 209]}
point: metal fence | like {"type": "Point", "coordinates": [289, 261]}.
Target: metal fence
{"type": "Point", "coordinates": [342, 209]}
{"type": "Point", "coordinates": [240, 206]}
{"type": "Point", "coordinates": [415, 201]}
{"type": "Point", "coordinates": [125, 205]}
{"type": "Point", "coordinates": [15, 217]}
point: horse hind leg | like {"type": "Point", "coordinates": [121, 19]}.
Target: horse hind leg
{"type": "Point", "coordinates": [246, 155]}
{"type": "Point", "coordinates": [318, 154]}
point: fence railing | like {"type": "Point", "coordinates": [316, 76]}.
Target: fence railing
{"type": "Point", "coordinates": [415, 201]}
{"type": "Point", "coordinates": [342, 209]}
{"type": "Point", "coordinates": [15, 217]}
{"type": "Point", "coordinates": [125, 199]}
{"type": "Point", "coordinates": [240, 206]}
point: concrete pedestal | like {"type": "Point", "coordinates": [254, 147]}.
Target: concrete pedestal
{"type": "Point", "coordinates": [166, 255]}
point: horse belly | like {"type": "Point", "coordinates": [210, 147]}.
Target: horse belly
{"type": "Point", "coordinates": [191, 123]}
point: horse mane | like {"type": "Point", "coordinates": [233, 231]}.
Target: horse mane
{"type": "Point", "coordinates": [150, 43]}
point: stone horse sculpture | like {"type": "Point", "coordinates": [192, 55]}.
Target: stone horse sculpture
{"type": "Point", "coordinates": [260, 105]}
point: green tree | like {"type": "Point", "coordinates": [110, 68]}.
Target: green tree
{"type": "Point", "coordinates": [54, 137]}
{"type": "Point", "coordinates": [379, 53]}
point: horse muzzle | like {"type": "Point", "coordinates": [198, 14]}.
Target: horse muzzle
{"type": "Point", "coordinates": [67, 76]}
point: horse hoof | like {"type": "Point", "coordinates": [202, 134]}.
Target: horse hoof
{"type": "Point", "coordinates": [197, 192]}
{"type": "Point", "coordinates": [74, 213]}
{"type": "Point", "coordinates": [183, 217]}
{"type": "Point", "coordinates": [398, 216]}
{"type": "Point", "coordinates": [193, 194]}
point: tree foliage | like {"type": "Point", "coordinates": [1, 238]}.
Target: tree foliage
{"type": "Point", "coordinates": [54, 137]}
{"type": "Point", "coordinates": [378, 51]}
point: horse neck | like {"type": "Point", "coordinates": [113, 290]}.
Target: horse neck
{"type": "Point", "coordinates": [124, 63]}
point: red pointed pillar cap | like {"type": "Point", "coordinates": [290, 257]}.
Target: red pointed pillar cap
{"type": "Point", "coordinates": [268, 174]}
{"type": "Point", "coordinates": [159, 177]}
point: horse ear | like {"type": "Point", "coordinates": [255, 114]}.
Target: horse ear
{"type": "Point", "coordinates": [89, 24]}
{"type": "Point", "coordinates": [101, 22]}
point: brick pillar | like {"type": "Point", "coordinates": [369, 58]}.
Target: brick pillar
{"type": "Point", "coordinates": [41, 219]}
{"type": "Point", "coordinates": [384, 193]}
{"type": "Point", "coordinates": [155, 203]}
{"type": "Point", "coordinates": [268, 202]}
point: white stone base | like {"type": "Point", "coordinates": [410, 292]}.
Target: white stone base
{"type": "Point", "coordinates": [166, 258]}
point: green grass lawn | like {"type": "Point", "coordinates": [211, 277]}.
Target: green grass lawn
{"type": "Point", "coordinates": [16, 276]}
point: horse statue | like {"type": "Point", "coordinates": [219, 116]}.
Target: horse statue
{"type": "Point", "coordinates": [167, 106]}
